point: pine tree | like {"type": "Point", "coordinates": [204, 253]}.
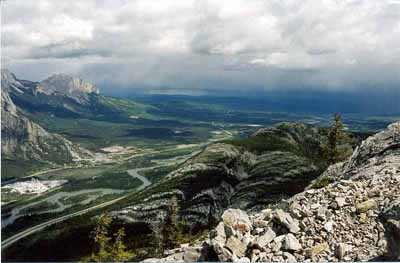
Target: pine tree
{"type": "Point", "coordinates": [101, 239]}
{"type": "Point", "coordinates": [336, 137]}
{"type": "Point", "coordinates": [106, 250]}
{"type": "Point", "coordinates": [118, 249]}
{"type": "Point", "coordinates": [170, 229]}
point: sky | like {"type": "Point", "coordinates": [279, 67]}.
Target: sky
{"type": "Point", "coordinates": [205, 45]}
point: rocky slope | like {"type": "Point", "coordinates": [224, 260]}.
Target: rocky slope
{"type": "Point", "coordinates": [354, 218]}
{"type": "Point", "coordinates": [23, 139]}
{"type": "Point", "coordinates": [226, 175]}
{"type": "Point", "coordinates": [61, 84]}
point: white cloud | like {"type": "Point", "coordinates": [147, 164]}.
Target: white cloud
{"type": "Point", "coordinates": [206, 43]}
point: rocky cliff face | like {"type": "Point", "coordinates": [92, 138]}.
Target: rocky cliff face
{"type": "Point", "coordinates": [23, 139]}
{"type": "Point", "coordinates": [59, 95]}
{"type": "Point", "coordinates": [221, 176]}
{"type": "Point", "coordinates": [61, 84]}
{"type": "Point", "coordinates": [354, 218]}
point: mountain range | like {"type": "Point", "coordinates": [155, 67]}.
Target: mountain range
{"type": "Point", "coordinates": [24, 140]}
{"type": "Point", "coordinates": [27, 106]}
{"type": "Point", "coordinates": [235, 174]}
{"type": "Point", "coordinates": [266, 194]}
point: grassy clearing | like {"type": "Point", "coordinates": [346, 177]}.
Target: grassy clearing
{"type": "Point", "coordinates": [129, 107]}
{"type": "Point", "coordinates": [73, 174]}
{"type": "Point", "coordinates": [108, 179]}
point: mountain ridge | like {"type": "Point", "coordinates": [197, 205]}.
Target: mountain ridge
{"type": "Point", "coordinates": [60, 95]}
{"type": "Point", "coordinates": [354, 218]}
{"type": "Point", "coordinates": [72, 87]}
{"type": "Point", "coordinates": [23, 139]}
{"type": "Point", "coordinates": [227, 175]}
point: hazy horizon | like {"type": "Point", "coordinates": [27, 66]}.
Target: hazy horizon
{"type": "Point", "coordinates": [200, 130]}
{"type": "Point", "coordinates": [200, 47]}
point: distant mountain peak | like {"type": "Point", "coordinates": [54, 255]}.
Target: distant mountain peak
{"type": "Point", "coordinates": [23, 139]}
{"type": "Point", "coordinates": [73, 87]}
{"type": "Point", "coordinates": [66, 84]}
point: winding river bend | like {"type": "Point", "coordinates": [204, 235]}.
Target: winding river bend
{"type": "Point", "coordinates": [132, 172]}
{"type": "Point", "coordinates": [58, 198]}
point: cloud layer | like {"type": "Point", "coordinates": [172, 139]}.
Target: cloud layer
{"type": "Point", "coordinates": [206, 44]}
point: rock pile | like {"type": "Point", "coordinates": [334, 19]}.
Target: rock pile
{"type": "Point", "coordinates": [355, 218]}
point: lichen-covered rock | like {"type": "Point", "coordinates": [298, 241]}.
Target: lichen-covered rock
{"type": "Point", "coordinates": [366, 205]}
{"type": "Point", "coordinates": [316, 250]}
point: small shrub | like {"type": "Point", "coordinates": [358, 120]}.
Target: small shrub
{"type": "Point", "coordinates": [322, 182]}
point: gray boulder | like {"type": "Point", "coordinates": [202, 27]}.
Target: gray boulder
{"type": "Point", "coordinates": [285, 219]}
{"type": "Point", "coordinates": [290, 243]}
{"type": "Point", "coordinates": [237, 247]}
{"type": "Point", "coordinates": [266, 238]}
{"type": "Point", "coordinates": [237, 219]}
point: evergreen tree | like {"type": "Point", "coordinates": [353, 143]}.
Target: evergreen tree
{"type": "Point", "coordinates": [108, 249]}
{"type": "Point", "coordinates": [101, 239]}
{"type": "Point", "coordinates": [118, 249]}
{"type": "Point", "coordinates": [336, 137]}
{"type": "Point", "coordinates": [170, 229]}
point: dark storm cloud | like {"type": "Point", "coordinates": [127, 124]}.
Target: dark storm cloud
{"type": "Point", "coordinates": [206, 44]}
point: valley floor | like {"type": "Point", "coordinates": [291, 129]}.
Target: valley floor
{"type": "Point", "coordinates": [85, 190]}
